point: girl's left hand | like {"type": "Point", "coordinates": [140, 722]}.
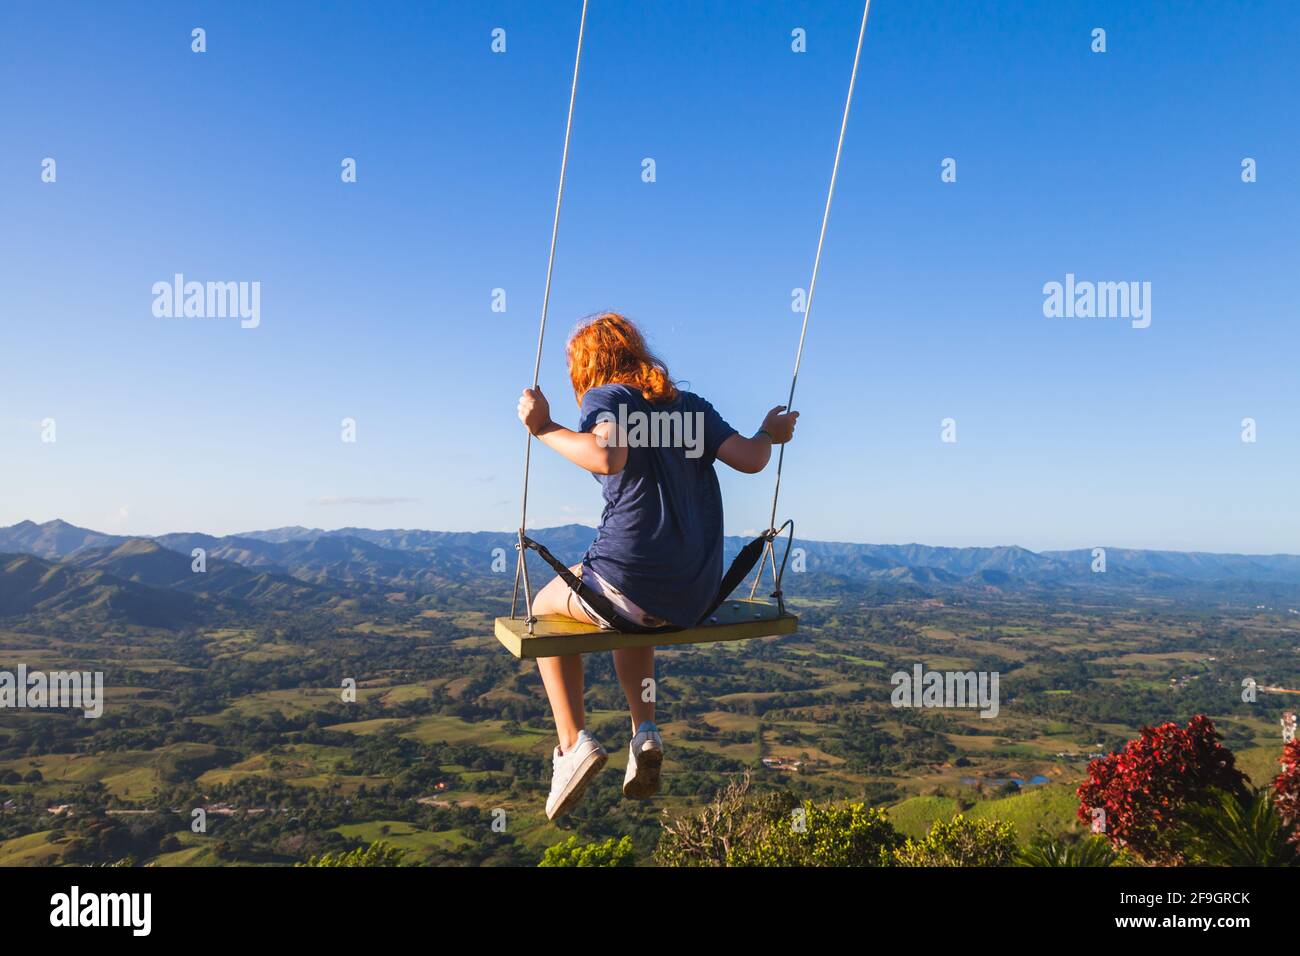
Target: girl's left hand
{"type": "Point", "coordinates": [534, 410]}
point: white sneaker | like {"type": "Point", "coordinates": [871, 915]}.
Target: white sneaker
{"type": "Point", "coordinates": [573, 771]}
{"type": "Point", "coordinates": [645, 758]}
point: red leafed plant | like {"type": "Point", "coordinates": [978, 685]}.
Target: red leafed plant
{"type": "Point", "coordinates": [1143, 787]}
{"type": "Point", "coordinates": [1286, 789]}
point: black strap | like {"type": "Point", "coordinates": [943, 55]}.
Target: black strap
{"type": "Point", "coordinates": [597, 601]}
{"type": "Point", "coordinates": [741, 565]}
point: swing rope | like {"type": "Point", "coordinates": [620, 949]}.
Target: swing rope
{"type": "Point", "coordinates": [735, 574]}
{"type": "Point", "coordinates": [769, 551]}
{"type": "Point", "coordinates": [521, 569]}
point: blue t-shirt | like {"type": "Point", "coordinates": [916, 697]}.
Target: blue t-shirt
{"type": "Point", "coordinates": [660, 535]}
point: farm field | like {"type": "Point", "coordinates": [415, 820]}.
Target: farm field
{"type": "Point", "coordinates": [442, 734]}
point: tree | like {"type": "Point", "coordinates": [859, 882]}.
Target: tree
{"type": "Point", "coordinates": [1144, 789]}
{"type": "Point", "coordinates": [811, 835]}
{"type": "Point", "coordinates": [1286, 790]}
{"type": "Point", "coordinates": [612, 852]}
{"type": "Point", "coordinates": [734, 818]}
{"type": "Point", "coordinates": [378, 853]}
{"type": "Point", "coordinates": [961, 842]}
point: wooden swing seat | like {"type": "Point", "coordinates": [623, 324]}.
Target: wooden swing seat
{"type": "Point", "coordinates": [734, 620]}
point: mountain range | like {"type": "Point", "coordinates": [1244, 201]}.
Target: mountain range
{"type": "Point", "coordinates": [59, 569]}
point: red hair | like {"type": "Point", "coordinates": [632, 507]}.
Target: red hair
{"type": "Point", "coordinates": [607, 349]}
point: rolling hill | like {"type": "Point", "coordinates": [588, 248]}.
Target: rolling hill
{"type": "Point", "coordinates": [54, 539]}
{"type": "Point", "coordinates": [33, 586]}
{"type": "Point", "coordinates": [145, 561]}
{"type": "Point", "coordinates": [287, 568]}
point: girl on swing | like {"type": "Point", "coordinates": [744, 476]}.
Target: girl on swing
{"type": "Point", "coordinates": [657, 557]}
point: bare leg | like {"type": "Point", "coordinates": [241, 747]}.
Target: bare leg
{"type": "Point", "coordinates": [563, 679]}
{"type": "Point", "coordinates": [562, 676]}
{"type": "Point", "coordinates": [634, 665]}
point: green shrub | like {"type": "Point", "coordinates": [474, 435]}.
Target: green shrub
{"type": "Point", "coordinates": [733, 818]}
{"type": "Point", "coordinates": [961, 842]}
{"type": "Point", "coordinates": [611, 852]}
{"type": "Point", "coordinates": [377, 854]}
{"type": "Point", "coordinates": [1054, 851]}
{"type": "Point", "coordinates": [850, 835]}
{"type": "Point", "coordinates": [1235, 829]}
{"type": "Point", "coordinates": [738, 828]}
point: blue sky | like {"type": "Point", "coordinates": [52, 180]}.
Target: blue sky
{"type": "Point", "coordinates": [225, 166]}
